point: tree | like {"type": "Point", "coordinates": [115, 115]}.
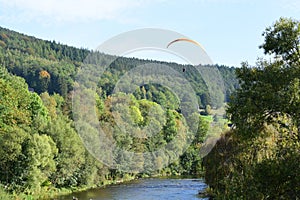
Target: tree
{"type": "Point", "coordinates": [71, 152]}
{"type": "Point", "coordinates": [258, 159]}
{"type": "Point", "coordinates": [261, 96]}
{"type": "Point", "coordinates": [40, 152]}
{"type": "Point", "coordinates": [170, 128]}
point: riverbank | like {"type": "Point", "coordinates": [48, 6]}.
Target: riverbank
{"type": "Point", "coordinates": [53, 193]}
{"type": "Point", "coordinates": [125, 179]}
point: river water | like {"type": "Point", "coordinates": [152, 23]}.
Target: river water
{"type": "Point", "coordinates": [145, 189]}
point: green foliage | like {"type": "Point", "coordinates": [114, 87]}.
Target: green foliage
{"type": "Point", "coordinates": [71, 152]}
{"type": "Point", "coordinates": [41, 149]}
{"type": "Point", "coordinates": [26, 156]}
{"type": "Point", "coordinates": [259, 158]}
{"type": "Point", "coordinates": [40, 152]}
{"type": "Point", "coordinates": [3, 194]}
{"type": "Point", "coordinates": [283, 40]}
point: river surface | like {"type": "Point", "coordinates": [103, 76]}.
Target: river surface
{"type": "Point", "coordinates": [145, 189]}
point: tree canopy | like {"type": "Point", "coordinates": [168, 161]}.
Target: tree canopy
{"type": "Point", "coordinates": [259, 158]}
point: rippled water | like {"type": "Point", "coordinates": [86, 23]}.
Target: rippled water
{"type": "Point", "coordinates": [145, 189]}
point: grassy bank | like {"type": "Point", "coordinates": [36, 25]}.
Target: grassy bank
{"type": "Point", "coordinates": [51, 192]}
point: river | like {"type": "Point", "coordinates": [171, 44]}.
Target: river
{"type": "Point", "coordinates": [145, 189]}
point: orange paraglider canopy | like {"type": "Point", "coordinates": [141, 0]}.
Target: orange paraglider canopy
{"type": "Point", "coordinates": [186, 40]}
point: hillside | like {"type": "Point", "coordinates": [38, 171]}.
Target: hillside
{"type": "Point", "coordinates": [28, 57]}
{"type": "Point", "coordinates": [41, 153]}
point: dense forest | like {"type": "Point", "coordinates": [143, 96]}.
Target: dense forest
{"type": "Point", "coordinates": [259, 157]}
{"type": "Point", "coordinates": [41, 152]}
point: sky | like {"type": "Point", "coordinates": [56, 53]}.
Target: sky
{"type": "Point", "coordinates": [229, 30]}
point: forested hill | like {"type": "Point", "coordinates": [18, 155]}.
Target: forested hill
{"type": "Point", "coordinates": [50, 50]}
{"type": "Point", "coordinates": [41, 152]}
{"type": "Point", "coordinates": [51, 66]}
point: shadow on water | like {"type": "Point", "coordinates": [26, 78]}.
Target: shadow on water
{"type": "Point", "coordinates": [145, 189]}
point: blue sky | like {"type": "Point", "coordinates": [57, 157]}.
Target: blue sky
{"type": "Point", "coordinates": [230, 30]}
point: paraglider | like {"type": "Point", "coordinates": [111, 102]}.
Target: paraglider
{"type": "Point", "coordinates": [185, 40]}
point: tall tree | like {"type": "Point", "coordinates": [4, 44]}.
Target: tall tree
{"type": "Point", "coordinates": [258, 159]}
